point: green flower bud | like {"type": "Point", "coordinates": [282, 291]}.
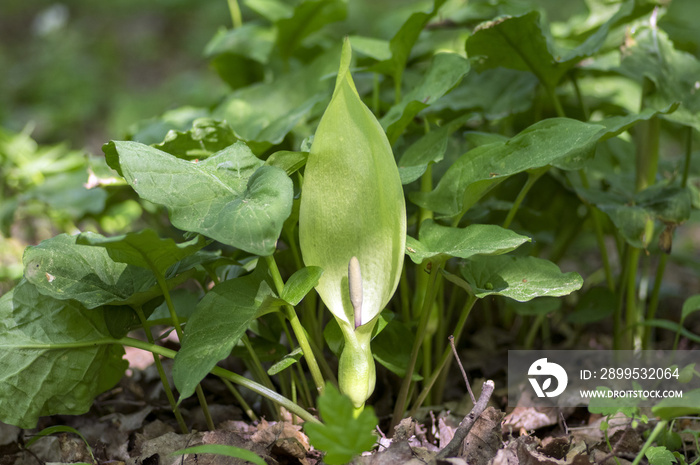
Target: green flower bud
{"type": "Point", "coordinates": [352, 205]}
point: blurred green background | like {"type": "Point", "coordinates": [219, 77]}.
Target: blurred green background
{"type": "Point", "coordinates": [83, 71]}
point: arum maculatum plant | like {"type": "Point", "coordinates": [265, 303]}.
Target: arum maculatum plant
{"type": "Point", "coordinates": [352, 223]}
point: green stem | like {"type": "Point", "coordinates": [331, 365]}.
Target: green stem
{"type": "Point", "coordinates": [532, 178]}
{"type": "Point", "coordinates": [617, 320]}
{"type": "Point", "coordinates": [236, 17]}
{"type": "Point", "coordinates": [632, 315]}
{"type": "Point", "coordinates": [297, 327]}
{"type": "Point", "coordinates": [530, 338]}
{"type": "Point", "coordinates": [579, 96]}
{"type": "Point", "coordinates": [300, 380]}
{"type": "Point", "coordinates": [660, 426]}
{"type": "Point", "coordinates": [178, 329]}
{"type": "Point", "coordinates": [654, 301]}
{"type": "Point", "coordinates": [426, 185]}
{"type": "Point", "coordinates": [551, 92]}
{"type": "Point", "coordinates": [417, 342]}
{"type": "Point", "coordinates": [647, 153]}
{"type": "Point", "coordinates": [405, 294]}
{"type": "Point", "coordinates": [598, 227]}
{"type": "Point", "coordinates": [688, 155]}
{"type": "Point", "coordinates": [239, 398]}
{"type": "Point", "coordinates": [217, 371]}
{"type": "Point", "coordinates": [257, 367]}
{"type": "Point", "coordinates": [161, 373]}
{"type": "Point", "coordinates": [446, 355]}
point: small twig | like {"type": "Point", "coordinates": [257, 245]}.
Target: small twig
{"type": "Point", "coordinates": [565, 427]}
{"type": "Point", "coordinates": [464, 373]}
{"type": "Point", "coordinates": [451, 449]}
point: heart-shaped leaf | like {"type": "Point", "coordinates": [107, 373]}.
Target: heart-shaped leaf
{"type": "Point", "coordinates": [50, 359]}
{"type": "Point", "coordinates": [476, 239]}
{"type": "Point", "coordinates": [63, 269]}
{"type": "Point", "coordinates": [520, 278]}
{"type": "Point", "coordinates": [231, 196]}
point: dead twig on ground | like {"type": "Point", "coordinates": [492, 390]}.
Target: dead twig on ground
{"type": "Point", "coordinates": [453, 447]}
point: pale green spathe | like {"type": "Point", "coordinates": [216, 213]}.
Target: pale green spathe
{"type": "Point", "coordinates": [352, 204]}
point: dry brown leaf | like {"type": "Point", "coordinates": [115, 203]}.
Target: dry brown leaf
{"type": "Point", "coordinates": [524, 417]}
{"type": "Point", "coordinates": [484, 439]}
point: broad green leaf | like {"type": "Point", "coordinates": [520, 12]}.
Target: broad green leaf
{"type": "Point", "coordinates": [674, 73]}
{"type": "Point", "coordinates": [300, 283]}
{"type": "Point", "coordinates": [403, 41]}
{"type": "Point", "coordinates": [222, 449]}
{"type": "Point", "coordinates": [444, 73]}
{"type": "Point", "coordinates": [342, 435]}
{"type": "Point", "coordinates": [266, 112]}
{"type": "Point", "coordinates": [659, 456]}
{"type": "Point", "coordinates": [206, 137]}
{"type": "Point", "coordinates": [617, 124]}
{"type": "Point", "coordinates": [250, 40]}
{"type": "Point", "coordinates": [436, 240]}
{"type": "Point", "coordinates": [671, 408]}
{"type": "Point", "coordinates": [231, 197]}
{"type": "Point", "coordinates": [540, 145]}
{"type": "Point", "coordinates": [63, 269]}
{"type": "Point", "coordinates": [308, 17]}
{"type": "Point", "coordinates": [517, 43]}
{"type": "Point", "coordinates": [630, 214]}
{"type": "Point", "coordinates": [519, 278]}
{"type": "Point", "coordinates": [51, 361]}
{"type": "Point", "coordinates": [287, 361]}
{"type": "Point", "coordinates": [144, 249]}
{"type": "Point", "coordinates": [691, 305]}
{"type": "Point", "coordinates": [221, 318]}
{"type": "Point", "coordinates": [521, 43]}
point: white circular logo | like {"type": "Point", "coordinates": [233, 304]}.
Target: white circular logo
{"type": "Point", "coordinates": [551, 370]}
